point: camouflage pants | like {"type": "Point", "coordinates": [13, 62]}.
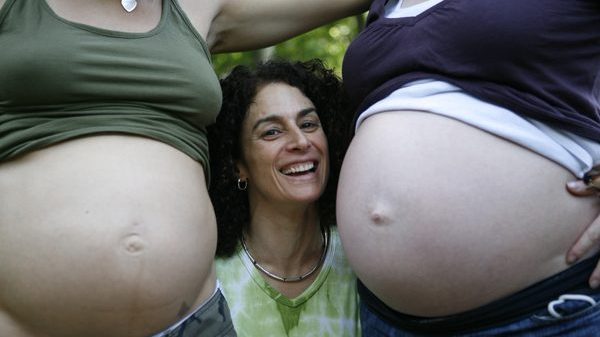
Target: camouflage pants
{"type": "Point", "coordinates": [212, 319]}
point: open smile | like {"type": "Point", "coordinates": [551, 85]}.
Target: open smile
{"type": "Point", "coordinates": [299, 168]}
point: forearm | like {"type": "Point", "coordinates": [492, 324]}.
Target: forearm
{"type": "Point", "coordinates": [245, 25]}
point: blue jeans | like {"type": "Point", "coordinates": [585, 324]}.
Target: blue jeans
{"type": "Point", "coordinates": [571, 316]}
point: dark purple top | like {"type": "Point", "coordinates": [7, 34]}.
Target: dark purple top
{"type": "Point", "coordinates": [538, 58]}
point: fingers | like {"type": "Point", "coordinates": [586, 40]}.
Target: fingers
{"type": "Point", "coordinates": [595, 278]}
{"type": "Point", "coordinates": [579, 189]}
{"type": "Point", "coordinates": [589, 239]}
{"type": "Point", "coordinates": [591, 177]}
{"type": "Point", "coordinates": [589, 185]}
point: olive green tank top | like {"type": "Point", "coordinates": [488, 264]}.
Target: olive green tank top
{"type": "Point", "coordinates": [60, 80]}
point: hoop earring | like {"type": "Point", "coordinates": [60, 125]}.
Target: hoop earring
{"type": "Point", "coordinates": [242, 185]}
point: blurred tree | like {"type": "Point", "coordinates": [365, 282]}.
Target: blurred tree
{"type": "Point", "coordinates": [328, 43]}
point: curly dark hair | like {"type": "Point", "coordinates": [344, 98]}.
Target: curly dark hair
{"type": "Point", "coordinates": [322, 86]}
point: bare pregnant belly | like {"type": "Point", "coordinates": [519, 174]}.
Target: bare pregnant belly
{"type": "Point", "coordinates": [438, 217]}
{"type": "Point", "coordinates": [103, 236]}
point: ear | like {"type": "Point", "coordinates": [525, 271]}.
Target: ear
{"type": "Point", "coordinates": [241, 170]}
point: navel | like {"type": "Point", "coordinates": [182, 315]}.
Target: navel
{"type": "Point", "coordinates": [133, 244]}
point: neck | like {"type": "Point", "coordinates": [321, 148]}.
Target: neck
{"type": "Point", "coordinates": [286, 243]}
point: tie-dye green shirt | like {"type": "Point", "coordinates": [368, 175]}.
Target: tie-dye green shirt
{"type": "Point", "coordinates": [327, 308]}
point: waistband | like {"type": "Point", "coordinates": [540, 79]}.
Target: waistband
{"type": "Point", "coordinates": [502, 311]}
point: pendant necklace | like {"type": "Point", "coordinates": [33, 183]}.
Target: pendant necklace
{"type": "Point", "coordinates": [325, 234]}
{"type": "Point", "coordinates": [129, 5]}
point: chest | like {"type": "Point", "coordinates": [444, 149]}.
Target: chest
{"type": "Point", "coordinates": [50, 63]}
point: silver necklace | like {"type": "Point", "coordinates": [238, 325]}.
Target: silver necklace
{"type": "Point", "coordinates": [129, 5]}
{"type": "Point", "coordinates": [325, 234]}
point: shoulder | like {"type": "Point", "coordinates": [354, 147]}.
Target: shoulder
{"type": "Point", "coordinates": [228, 268]}
{"type": "Point", "coordinates": [201, 13]}
{"type": "Point", "coordinates": [339, 263]}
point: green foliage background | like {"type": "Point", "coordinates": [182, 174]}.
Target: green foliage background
{"type": "Point", "coordinates": [328, 43]}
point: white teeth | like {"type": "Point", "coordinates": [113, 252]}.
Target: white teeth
{"type": "Point", "coordinates": [299, 168]}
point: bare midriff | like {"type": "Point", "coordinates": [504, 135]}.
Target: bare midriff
{"type": "Point", "coordinates": [103, 236]}
{"type": "Point", "coordinates": [438, 217]}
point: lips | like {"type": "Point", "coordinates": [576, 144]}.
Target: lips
{"type": "Point", "coordinates": [299, 168]}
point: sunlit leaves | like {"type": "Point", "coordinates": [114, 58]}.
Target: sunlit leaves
{"type": "Point", "coordinates": [328, 43]}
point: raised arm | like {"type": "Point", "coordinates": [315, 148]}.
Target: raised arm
{"type": "Point", "coordinates": [251, 24]}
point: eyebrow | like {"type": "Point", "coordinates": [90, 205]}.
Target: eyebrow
{"type": "Point", "coordinates": [272, 118]}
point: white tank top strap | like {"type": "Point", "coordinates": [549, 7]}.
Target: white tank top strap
{"type": "Point", "coordinates": [394, 9]}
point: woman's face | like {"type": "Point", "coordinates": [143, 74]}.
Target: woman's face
{"type": "Point", "coordinates": [284, 148]}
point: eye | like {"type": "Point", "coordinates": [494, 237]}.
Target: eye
{"type": "Point", "coordinates": [310, 125]}
{"type": "Point", "coordinates": [270, 133]}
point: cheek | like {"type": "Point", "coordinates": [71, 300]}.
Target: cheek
{"type": "Point", "coordinates": [260, 168]}
{"type": "Point", "coordinates": [320, 141]}
{"type": "Point", "coordinates": [324, 149]}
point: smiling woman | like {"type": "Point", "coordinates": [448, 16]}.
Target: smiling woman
{"type": "Point", "coordinates": [284, 148]}
{"type": "Point", "coordinates": [282, 267]}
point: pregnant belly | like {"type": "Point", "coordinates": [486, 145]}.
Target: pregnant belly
{"type": "Point", "coordinates": [437, 217]}
{"type": "Point", "coordinates": [103, 236]}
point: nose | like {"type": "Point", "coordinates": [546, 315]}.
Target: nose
{"type": "Point", "coordinates": [298, 140]}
